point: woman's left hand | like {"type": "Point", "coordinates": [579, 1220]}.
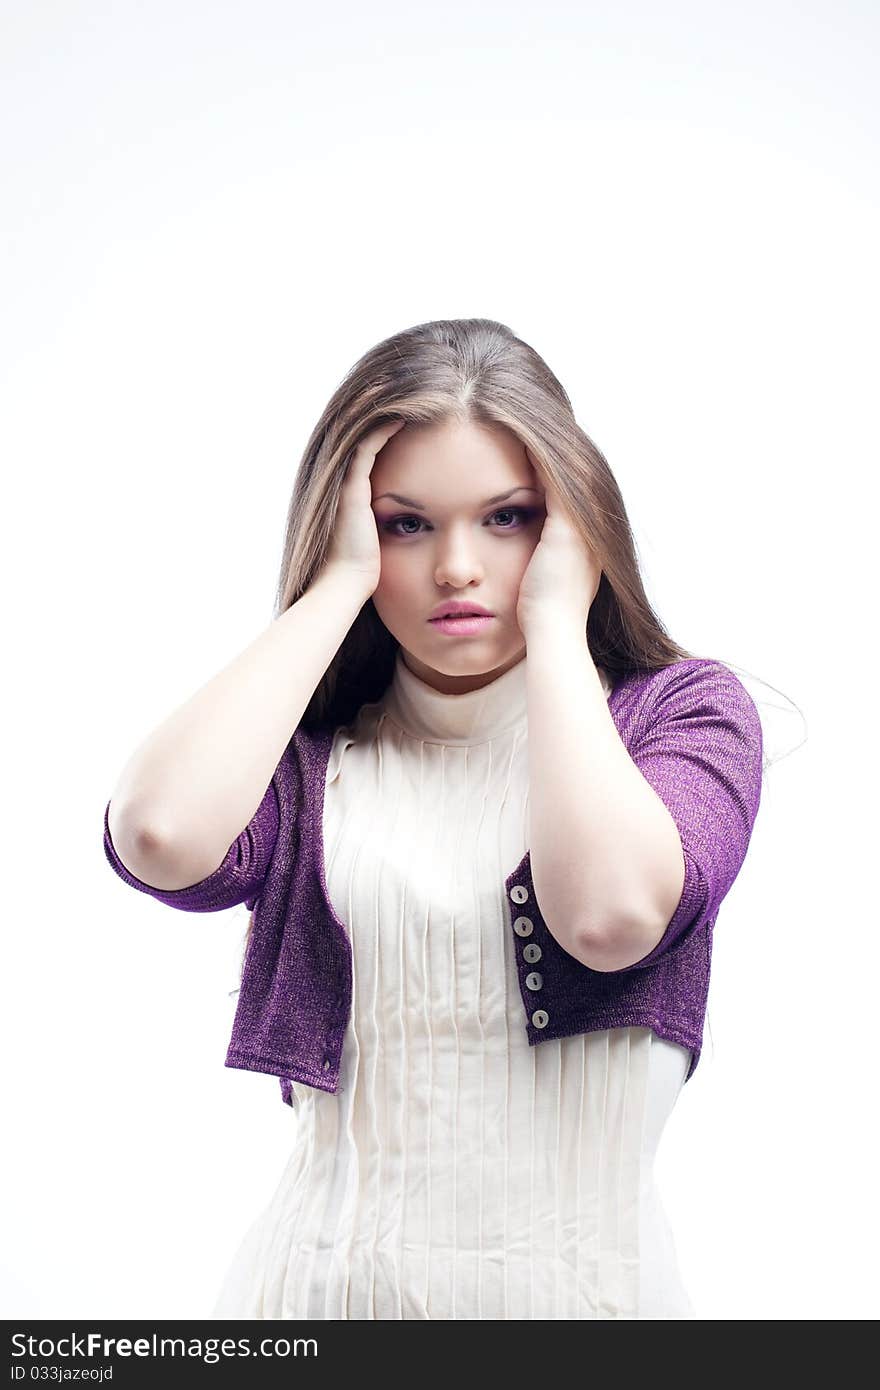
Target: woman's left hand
{"type": "Point", "coordinates": [563, 574]}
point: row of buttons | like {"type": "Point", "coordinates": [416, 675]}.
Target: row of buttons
{"type": "Point", "coordinates": [524, 926]}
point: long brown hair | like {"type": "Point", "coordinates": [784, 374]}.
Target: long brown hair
{"type": "Point", "coordinates": [474, 370]}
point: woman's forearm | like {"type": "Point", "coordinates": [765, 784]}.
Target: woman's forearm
{"type": "Point", "coordinates": [191, 787]}
{"type": "Point", "coordinates": [605, 853]}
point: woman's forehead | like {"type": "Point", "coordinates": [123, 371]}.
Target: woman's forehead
{"type": "Point", "coordinates": [452, 460]}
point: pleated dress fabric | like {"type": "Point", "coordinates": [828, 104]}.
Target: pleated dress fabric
{"type": "Point", "coordinates": [457, 1172]}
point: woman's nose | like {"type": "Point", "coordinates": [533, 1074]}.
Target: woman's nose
{"type": "Point", "coordinates": [458, 567]}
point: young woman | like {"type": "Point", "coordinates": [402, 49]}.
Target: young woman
{"type": "Point", "coordinates": [484, 856]}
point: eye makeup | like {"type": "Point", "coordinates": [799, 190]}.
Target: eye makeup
{"type": "Point", "coordinates": [525, 515]}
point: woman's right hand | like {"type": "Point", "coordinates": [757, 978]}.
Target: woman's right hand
{"type": "Point", "coordinates": [354, 546]}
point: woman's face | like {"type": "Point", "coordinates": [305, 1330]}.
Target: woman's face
{"type": "Point", "coordinates": [442, 539]}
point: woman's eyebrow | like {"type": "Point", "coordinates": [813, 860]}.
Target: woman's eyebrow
{"type": "Point", "coordinates": [420, 506]}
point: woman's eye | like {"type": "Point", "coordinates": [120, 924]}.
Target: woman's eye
{"type": "Point", "coordinates": [522, 514]}
{"type": "Point", "coordinates": [391, 526]}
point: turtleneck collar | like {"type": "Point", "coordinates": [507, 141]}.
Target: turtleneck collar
{"type": "Point", "coordinates": [473, 717]}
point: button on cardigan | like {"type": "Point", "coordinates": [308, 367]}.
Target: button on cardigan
{"type": "Point", "coordinates": [695, 734]}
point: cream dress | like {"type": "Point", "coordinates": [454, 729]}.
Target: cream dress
{"type": "Point", "coordinates": [458, 1172]}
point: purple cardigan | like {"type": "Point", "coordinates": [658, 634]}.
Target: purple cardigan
{"type": "Point", "coordinates": [695, 734]}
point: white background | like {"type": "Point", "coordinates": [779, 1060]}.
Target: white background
{"type": "Point", "coordinates": [210, 211]}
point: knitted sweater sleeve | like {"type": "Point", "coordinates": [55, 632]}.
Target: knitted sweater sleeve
{"type": "Point", "coordinates": [241, 875]}
{"type": "Point", "coordinates": [700, 746]}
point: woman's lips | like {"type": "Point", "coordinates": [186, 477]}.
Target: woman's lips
{"type": "Point", "coordinates": [463, 627]}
